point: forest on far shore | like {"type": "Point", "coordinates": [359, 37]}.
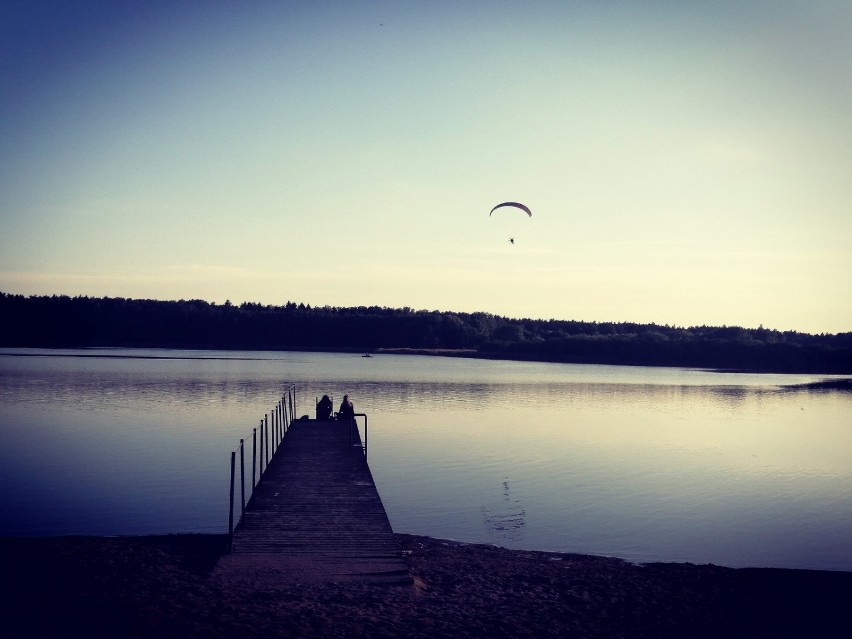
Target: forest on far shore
{"type": "Point", "coordinates": [60, 321]}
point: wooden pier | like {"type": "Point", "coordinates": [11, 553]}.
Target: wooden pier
{"type": "Point", "coordinates": [316, 515]}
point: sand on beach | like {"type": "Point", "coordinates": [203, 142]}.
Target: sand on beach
{"type": "Point", "coordinates": [169, 586]}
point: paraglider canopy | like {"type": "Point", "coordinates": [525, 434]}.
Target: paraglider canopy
{"type": "Point", "coordinates": [517, 205]}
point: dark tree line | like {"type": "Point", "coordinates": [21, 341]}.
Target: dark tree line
{"type": "Point", "coordinates": [62, 321]}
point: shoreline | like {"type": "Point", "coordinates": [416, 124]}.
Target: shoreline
{"type": "Point", "coordinates": [463, 353]}
{"type": "Point", "coordinates": [168, 586]}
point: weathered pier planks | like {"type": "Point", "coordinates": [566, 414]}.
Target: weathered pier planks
{"type": "Point", "coordinates": [317, 514]}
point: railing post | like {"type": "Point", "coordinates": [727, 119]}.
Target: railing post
{"type": "Point", "coordinates": [260, 469]}
{"type": "Point", "coordinates": [266, 431]}
{"type": "Point", "coordinates": [354, 424]}
{"type": "Point", "coordinates": [231, 509]}
{"type": "Point", "coordinates": [253, 458]}
{"type": "Point", "coordinates": [242, 480]}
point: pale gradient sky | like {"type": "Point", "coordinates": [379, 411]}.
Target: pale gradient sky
{"type": "Point", "coordinates": [686, 162]}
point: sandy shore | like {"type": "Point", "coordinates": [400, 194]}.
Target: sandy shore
{"type": "Point", "coordinates": [168, 587]}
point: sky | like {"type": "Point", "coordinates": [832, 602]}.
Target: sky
{"type": "Point", "coordinates": [687, 163]}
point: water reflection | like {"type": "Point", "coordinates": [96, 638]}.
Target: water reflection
{"type": "Point", "coordinates": [504, 519]}
{"type": "Point", "coordinates": [647, 464]}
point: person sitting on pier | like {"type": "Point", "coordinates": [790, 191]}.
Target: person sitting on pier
{"type": "Point", "coordinates": [324, 407]}
{"type": "Point", "coordinates": [347, 409]}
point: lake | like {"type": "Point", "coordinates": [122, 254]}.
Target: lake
{"type": "Point", "coordinates": [647, 464]}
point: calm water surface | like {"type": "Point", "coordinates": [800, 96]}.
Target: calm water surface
{"type": "Point", "coordinates": [642, 463]}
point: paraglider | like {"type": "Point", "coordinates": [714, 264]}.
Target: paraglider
{"type": "Point", "coordinates": [517, 205]}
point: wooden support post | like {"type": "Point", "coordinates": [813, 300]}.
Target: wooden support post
{"type": "Point", "coordinates": [231, 508]}
{"type": "Point", "coordinates": [266, 431]}
{"type": "Point", "coordinates": [253, 459]}
{"type": "Point", "coordinates": [242, 480]}
{"type": "Point", "coordinates": [260, 476]}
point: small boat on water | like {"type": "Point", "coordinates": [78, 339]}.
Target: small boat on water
{"type": "Point", "coordinates": [366, 355]}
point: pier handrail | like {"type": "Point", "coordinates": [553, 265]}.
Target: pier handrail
{"type": "Point", "coordinates": [273, 428]}
{"type": "Point", "coordinates": [355, 425]}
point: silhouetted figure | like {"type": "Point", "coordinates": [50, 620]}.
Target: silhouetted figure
{"type": "Point", "coordinates": [347, 409]}
{"type": "Point", "coordinates": [512, 240]}
{"type": "Point", "coordinates": [324, 407]}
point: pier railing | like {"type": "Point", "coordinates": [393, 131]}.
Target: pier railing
{"type": "Point", "coordinates": [354, 430]}
{"type": "Point", "coordinates": [265, 440]}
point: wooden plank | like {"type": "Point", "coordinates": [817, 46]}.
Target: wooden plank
{"type": "Point", "coordinates": [318, 514]}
